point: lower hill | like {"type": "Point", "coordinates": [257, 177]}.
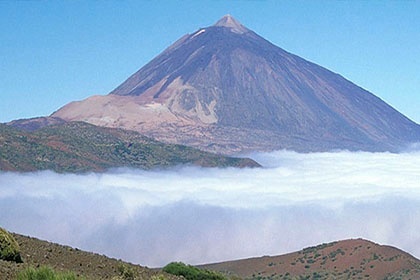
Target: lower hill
{"type": "Point", "coordinates": [348, 259]}
{"type": "Point", "coordinates": [36, 253]}
{"type": "Point", "coordinates": [82, 147]}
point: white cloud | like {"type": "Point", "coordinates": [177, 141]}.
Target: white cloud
{"type": "Point", "coordinates": [204, 215]}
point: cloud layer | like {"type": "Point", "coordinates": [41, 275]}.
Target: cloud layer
{"type": "Point", "coordinates": [200, 215]}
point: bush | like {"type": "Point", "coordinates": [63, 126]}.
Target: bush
{"type": "Point", "coordinates": [9, 248]}
{"type": "Point", "coordinates": [126, 272]}
{"type": "Point", "coordinates": [45, 273]}
{"type": "Point", "coordinates": [192, 273]}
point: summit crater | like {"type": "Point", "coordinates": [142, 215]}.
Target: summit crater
{"type": "Point", "coordinates": [229, 22]}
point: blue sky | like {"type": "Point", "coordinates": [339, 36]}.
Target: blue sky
{"type": "Point", "coordinates": [54, 52]}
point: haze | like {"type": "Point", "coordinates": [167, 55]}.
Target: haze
{"type": "Point", "coordinates": [200, 215]}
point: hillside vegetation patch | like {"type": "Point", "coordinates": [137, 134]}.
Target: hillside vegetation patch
{"type": "Point", "coordinates": [190, 272]}
{"type": "Point", "coordinates": [46, 273]}
{"type": "Point", "coordinates": [9, 248]}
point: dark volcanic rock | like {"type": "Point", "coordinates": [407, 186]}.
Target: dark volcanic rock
{"type": "Point", "coordinates": [225, 88]}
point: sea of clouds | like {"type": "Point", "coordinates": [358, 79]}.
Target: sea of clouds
{"type": "Point", "coordinates": [202, 215]}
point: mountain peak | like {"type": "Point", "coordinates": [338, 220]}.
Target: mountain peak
{"type": "Point", "coordinates": [231, 91]}
{"type": "Point", "coordinates": [230, 22]}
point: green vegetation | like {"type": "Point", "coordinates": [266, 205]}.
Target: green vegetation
{"type": "Point", "coordinates": [333, 254]}
{"type": "Point", "coordinates": [126, 272]}
{"type": "Point", "coordinates": [192, 273]}
{"type": "Point", "coordinates": [314, 249]}
{"type": "Point", "coordinates": [9, 248]}
{"type": "Point", "coordinates": [82, 147]}
{"type": "Point", "coordinates": [46, 273]}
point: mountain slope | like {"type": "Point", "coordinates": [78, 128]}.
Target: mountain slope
{"type": "Point", "coordinates": [37, 253]}
{"type": "Point", "coordinates": [82, 147]}
{"type": "Point", "coordinates": [348, 259]}
{"type": "Point", "coordinates": [225, 88]}
{"type": "Point", "coordinates": [33, 124]}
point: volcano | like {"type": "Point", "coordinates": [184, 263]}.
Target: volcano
{"type": "Point", "coordinates": [226, 89]}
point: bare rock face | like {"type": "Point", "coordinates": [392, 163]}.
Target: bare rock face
{"type": "Point", "coordinates": [226, 89]}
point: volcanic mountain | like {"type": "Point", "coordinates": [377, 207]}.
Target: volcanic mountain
{"type": "Point", "coordinates": [224, 88]}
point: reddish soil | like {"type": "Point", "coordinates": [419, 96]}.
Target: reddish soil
{"type": "Point", "coordinates": [349, 259]}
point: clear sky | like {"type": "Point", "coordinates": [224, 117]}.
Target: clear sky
{"type": "Point", "coordinates": [54, 52]}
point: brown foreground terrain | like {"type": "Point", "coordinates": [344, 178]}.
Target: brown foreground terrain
{"type": "Point", "coordinates": [37, 253]}
{"type": "Point", "coordinates": [349, 259]}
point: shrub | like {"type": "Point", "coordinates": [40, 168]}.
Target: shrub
{"type": "Point", "coordinates": [126, 272]}
{"type": "Point", "coordinates": [45, 273]}
{"type": "Point", "coordinates": [9, 248]}
{"type": "Point", "coordinates": [192, 273]}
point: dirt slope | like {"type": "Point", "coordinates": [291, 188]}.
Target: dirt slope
{"type": "Point", "coordinates": [349, 259]}
{"type": "Point", "coordinates": [63, 258]}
